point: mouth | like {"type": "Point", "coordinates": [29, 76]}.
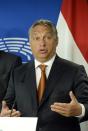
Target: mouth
{"type": "Point", "coordinates": [43, 51]}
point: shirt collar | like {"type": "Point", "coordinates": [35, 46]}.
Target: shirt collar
{"type": "Point", "coordinates": [48, 63]}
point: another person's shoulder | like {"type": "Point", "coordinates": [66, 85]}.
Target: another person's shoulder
{"type": "Point", "coordinates": [9, 56]}
{"type": "Point", "coordinates": [9, 60]}
{"type": "Point", "coordinates": [25, 67]}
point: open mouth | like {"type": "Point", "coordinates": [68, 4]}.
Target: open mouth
{"type": "Point", "coordinates": [43, 51]}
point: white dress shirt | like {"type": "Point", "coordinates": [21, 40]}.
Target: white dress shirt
{"type": "Point", "coordinates": [38, 70]}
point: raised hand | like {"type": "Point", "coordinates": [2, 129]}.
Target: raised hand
{"type": "Point", "coordinates": [68, 109]}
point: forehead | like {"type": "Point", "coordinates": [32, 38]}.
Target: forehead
{"type": "Point", "coordinates": [41, 28]}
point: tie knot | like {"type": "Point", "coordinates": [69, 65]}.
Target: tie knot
{"type": "Point", "coordinates": [42, 67]}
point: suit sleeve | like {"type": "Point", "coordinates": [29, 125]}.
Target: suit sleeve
{"type": "Point", "coordinates": [10, 94]}
{"type": "Point", "coordinates": [81, 89]}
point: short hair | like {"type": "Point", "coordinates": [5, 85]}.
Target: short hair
{"type": "Point", "coordinates": [45, 23]}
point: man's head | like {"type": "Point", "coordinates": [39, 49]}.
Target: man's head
{"type": "Point", "coordinates": [43, 40]}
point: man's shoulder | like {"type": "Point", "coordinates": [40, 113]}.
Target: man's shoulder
{"type": "Point", "coordinates": [68, 67]}
{"type": "Point", "coordinates": [25, 67]}
{"type": "Point", "coordinates": [67, 63]}
{"type": "Point", "coordinates": [7, 55]}
{"type": "Point", "coordinates": [8, 60]}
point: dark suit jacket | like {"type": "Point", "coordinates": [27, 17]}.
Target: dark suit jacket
{"type": "Point", "coordinates": [64, 77]}
{"type": "Point", "coordinates": [7, 63]}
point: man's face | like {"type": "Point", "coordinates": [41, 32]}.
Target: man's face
{"type": "Point", "coordinates": [43, 42]}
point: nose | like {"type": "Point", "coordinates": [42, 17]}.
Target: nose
{"type": "Point", "coordinates": [43, 42]}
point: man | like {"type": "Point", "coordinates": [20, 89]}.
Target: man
{"type": "Point", "coordinates": [7, 63]}
{"type": "Point", "coordinates": [65, 98]}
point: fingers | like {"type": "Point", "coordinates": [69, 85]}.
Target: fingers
{"type": "Point", "coordinates": [15, 114]}
{"type": "Point", "coordinates": [4, 105]}
{"type": "Point", "coordinates": [6, 112]}
{"type": "Point", "coordinates": [72, 96]}
{"type": "Point", "coordinates": [10, 113]}
{"type": "Point", "coordinates": [61, 108]}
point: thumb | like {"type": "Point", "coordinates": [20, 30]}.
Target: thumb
{"type": "Point", "coordinates": [4, 105]}
{"type": "Point", "coordinates": [72, 96]}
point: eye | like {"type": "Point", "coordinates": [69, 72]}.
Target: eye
{"type": "Point", "coordinates": [48, 37]}
{"type": "Point", "coordinates": [37, 38]}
